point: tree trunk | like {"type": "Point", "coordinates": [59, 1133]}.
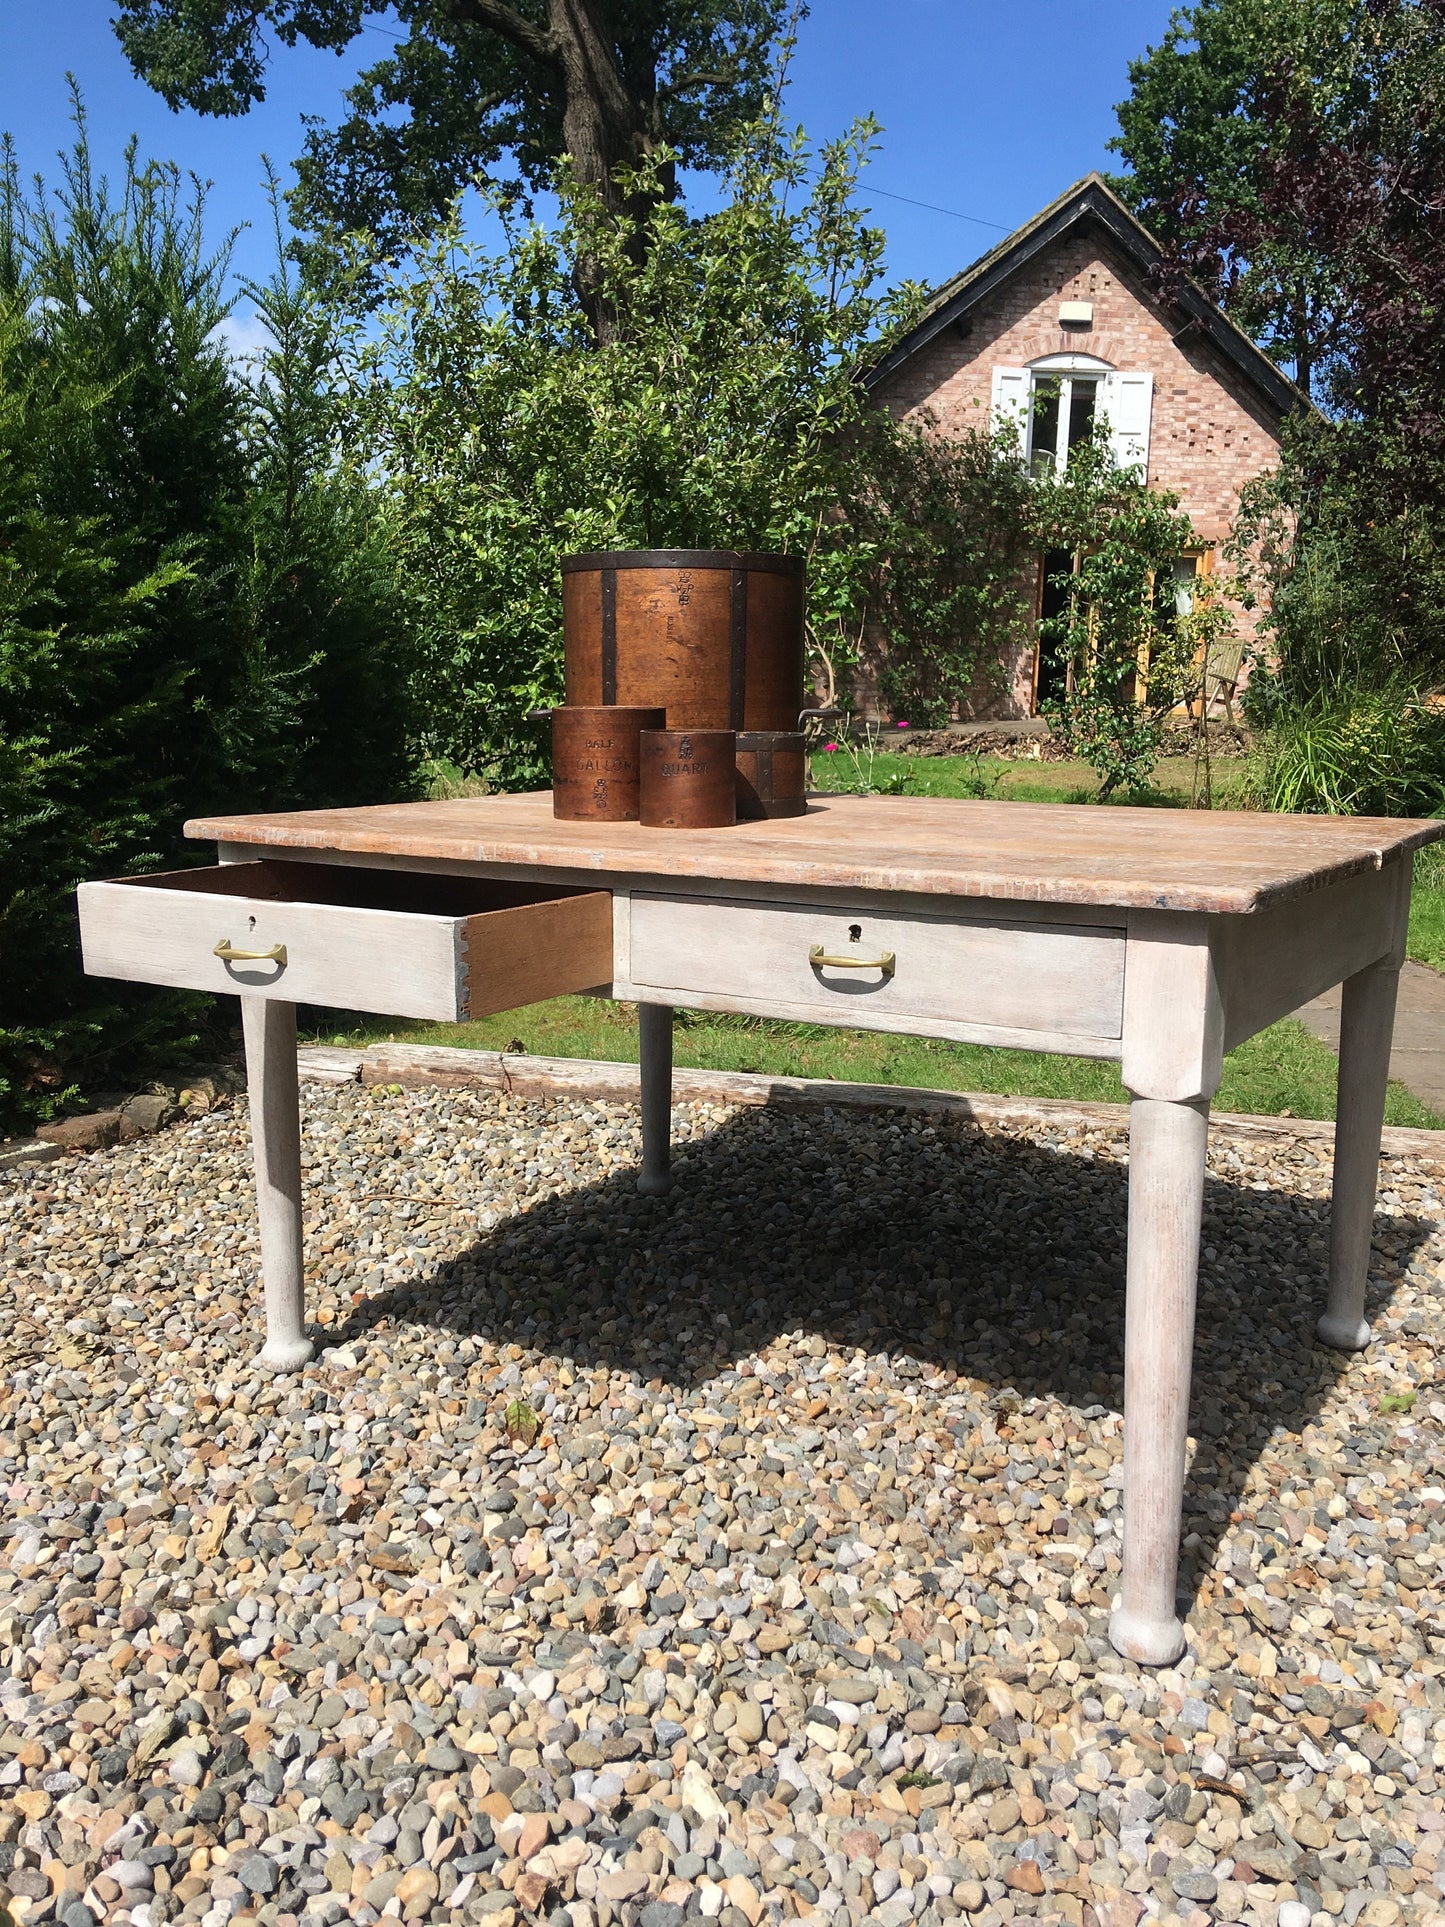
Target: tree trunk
{"type": "Point", "coordinates": [1303, 356]}
{"type": "Point", "coordinates": [605, 126]}
{"type": "Point", "coordinates": [606, 122]}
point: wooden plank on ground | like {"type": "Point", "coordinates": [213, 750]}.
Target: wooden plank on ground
{"type": "Point", "coordinates": [419, 1065]}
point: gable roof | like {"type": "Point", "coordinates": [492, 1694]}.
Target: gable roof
{"type": "Point", "coordinates": [1092, 204]}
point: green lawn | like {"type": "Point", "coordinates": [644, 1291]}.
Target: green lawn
{"type": "Point", "coordinates": [1282, 1072]}
{"type": "Point", "coordinates": [1427, 926]}
{"type": "Point", "coordinates": [1427, 908]}
{"type": "Point", "coordinates": [1020, 780]}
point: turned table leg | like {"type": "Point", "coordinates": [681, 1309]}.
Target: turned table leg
{"type": "Point", "coordinates": [1173, 1056]}
{"type": "Point", "coordinates": [1167, 1143]}
{"type": "Point", "coordinates": [655, 1022]}
{"type": "Point", "coordinates": [270, 1033]}
{"type": "Point", "coordinates": [1367, 1022]}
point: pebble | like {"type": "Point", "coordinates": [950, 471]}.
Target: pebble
{"type": "Point", "coordinates": [131, 1874]}
{"type": "Point", "coordinates": [749, 1724]}
{"type": "Point", "coordinates": [256, 1873]}
{"type": "Point", "coordinates": [533, 1837]}
{"type": "Point", "coordinates": [795, 1599]}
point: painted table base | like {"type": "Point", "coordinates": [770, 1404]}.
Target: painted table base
{"type": "Point", "coordinates": [1167, 1146]}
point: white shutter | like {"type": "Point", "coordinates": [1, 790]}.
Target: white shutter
{"type": "Point", "coordinates": [1127, 401]}
{"type": "Point", "coordinates": [1010, 404]}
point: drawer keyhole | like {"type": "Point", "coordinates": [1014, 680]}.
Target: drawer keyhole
{"type": "Point", "coordinates": [855, 933]}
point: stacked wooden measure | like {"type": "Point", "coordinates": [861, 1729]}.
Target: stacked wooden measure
{"type": "Point", "coordinates": [684, 678]}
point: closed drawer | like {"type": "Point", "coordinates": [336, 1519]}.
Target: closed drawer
{"type": "Point", "coordinates": [394, 942]}
{"type": "Point", "coordinates": [1030, 977]}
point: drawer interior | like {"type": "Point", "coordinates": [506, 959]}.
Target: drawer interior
{"type": "Point", "coordinates": [411, 891]}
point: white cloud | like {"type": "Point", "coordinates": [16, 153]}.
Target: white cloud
{"type": "Point", "coordinates": [245, 337]}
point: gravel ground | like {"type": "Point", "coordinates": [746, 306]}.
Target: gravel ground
{"type": "Point", "coordinates": [794, 1601]}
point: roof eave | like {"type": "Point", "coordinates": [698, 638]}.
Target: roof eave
{"type": "Point", "coordinates": [1093, 201]}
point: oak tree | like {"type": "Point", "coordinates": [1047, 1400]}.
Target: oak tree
{"type": "Point", "coordinates": [468, 82]}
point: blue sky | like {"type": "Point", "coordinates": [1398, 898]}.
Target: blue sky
{"type": "Point", "coordinates": [988, 110]}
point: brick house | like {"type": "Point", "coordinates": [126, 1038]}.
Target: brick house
{"type": "Point", "coordinates": [1061, 324]}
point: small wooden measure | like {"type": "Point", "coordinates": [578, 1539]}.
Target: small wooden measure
{"type": "Point", "coordinates": [596, 763]}
{"type": "Point", "coordinates": [689, 779]}
{"type": "Point", "coordinates": [772, 774]}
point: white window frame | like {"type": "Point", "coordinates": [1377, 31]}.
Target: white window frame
{"type": "Point", "coordinates": [1063, 369]}
{"type": "Point", "coordinates": [1123, 399]}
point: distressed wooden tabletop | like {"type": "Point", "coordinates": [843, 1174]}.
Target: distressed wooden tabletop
{"type": "Point", "coordinates": [1210, 860]}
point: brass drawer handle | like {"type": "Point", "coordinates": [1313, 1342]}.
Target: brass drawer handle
{"type": "Point", "coordinates": [886, 963]}
{"type": "Point", "coordinates": [228, 954]}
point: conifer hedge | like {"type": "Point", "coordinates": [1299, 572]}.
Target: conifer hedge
{"type": "Point", "coordinates": [196, 607]}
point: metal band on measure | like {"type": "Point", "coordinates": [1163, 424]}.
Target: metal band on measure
{"type": "Point", "coordinates": [609, 636]}
{"type": "Point", "coordinates": [737, 646]}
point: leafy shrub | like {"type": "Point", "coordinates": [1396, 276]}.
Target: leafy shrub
{"type": "Point", "coordinates": [1373, 753]}
{"type": "Point", "coordinates": [722, 409]}
{"type": "Point", "coordinates": [940, 528]}
{"type": "Point", "coordinates": [1343, 546]}
{"type": "Point", "coordinates": [1130, 662]}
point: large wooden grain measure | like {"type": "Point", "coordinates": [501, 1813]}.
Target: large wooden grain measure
{"type": "Point", "coordinates": [713, 637]}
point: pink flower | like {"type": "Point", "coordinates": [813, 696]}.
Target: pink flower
{"type": "Point", "coordinates": [903, 725]}
{"type": "Point", "coordinates": [829, 746]}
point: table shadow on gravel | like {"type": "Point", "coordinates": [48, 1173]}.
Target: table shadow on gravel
{"type": "Point", "coordinates": [995, 1257]}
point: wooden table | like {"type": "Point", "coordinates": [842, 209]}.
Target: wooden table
{"type": "Point", "coordinates": [1158, 938]}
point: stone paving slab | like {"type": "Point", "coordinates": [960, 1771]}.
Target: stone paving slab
{"type": "Point", "coordinates": [1418, 1058]}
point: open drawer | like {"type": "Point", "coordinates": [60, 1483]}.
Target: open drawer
{"type": "Point", "coordinates": [399, 943]}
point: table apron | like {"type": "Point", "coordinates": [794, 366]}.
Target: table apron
{"type": "Point", "coordinates": [1270, 963]}
{"type": "Point", "coordinates": [1263, 965]}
